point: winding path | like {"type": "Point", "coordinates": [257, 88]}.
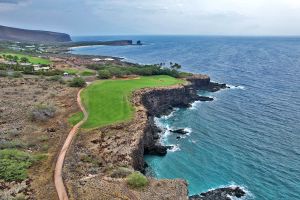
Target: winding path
{"type": "Point", "coordinates": [58, 180]}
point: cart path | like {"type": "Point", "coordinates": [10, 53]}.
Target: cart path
{"type": "Point", "coordinates": [58, 180]}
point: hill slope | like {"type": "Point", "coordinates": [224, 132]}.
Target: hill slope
{"type": "Point", "coordinates": [16, 34]}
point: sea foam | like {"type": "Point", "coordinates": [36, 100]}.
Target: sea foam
{"type": "Point", "coordinates": [234, 87]}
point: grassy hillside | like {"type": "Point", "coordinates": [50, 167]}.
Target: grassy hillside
{"type": "Point", "coordinates": [108, 102]}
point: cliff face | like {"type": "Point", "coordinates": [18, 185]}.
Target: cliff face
{"type": "Point", "coordinates": [159, 102]}
{"type": "Point", "coordinates": [125, 144]}
{"type": "Point", "coordinates": [16, 34]}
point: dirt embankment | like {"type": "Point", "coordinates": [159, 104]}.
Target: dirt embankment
{"type": "Point", "coordinates": [19, 97]}
{"type": "Point", "coordinates": [99, 154]}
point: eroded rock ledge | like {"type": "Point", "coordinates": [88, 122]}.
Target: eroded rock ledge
{"type": "Point", "coordinates": [161, 101]}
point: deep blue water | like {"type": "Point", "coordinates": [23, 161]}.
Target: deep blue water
{"type": "Point", "coordinates": [249, 135]}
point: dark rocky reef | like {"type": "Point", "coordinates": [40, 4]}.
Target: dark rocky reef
{"type": "Point", "coordinates": [24, 35]}
{"type": "Point", "coordinates": [180, 131]}
{"type": "Point", "coordinates": [202, 82]}
{"type": "Point", "coordinates": [220, 194]}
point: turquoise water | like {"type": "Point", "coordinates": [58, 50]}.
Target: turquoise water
{"type": "Point", "coordinates": [250, 134]}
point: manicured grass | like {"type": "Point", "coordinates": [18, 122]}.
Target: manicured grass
{"type": "Point", "coordinates": [108, 101]}
{"type": "Point", "coordinates": [33, 60]}
{"type": "Point", "coordinates": [75, 118]}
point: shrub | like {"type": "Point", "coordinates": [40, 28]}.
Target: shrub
{"type": "Point", "coordinates": [142, 70]}
{"type": "Point", "coordinates": [14, 164]}
{"type": "Point", "coordinates": [55, 78]}
{"type": "Point", "coordinates": [137, 180]}
{"type": "Point", "coordinates": [87, 73]}
{"type": "Point", "coordinates": [104, 74]}
{"type": "Point", "coordinates": [16, 75]}
{"type": "Point", "coordinates": [117, 71]}
{"type": "Point", "coordinates": [121, 172]}
{"type": "Point", "coordinates": [24, 60]}
{"type": "Point", "coordinates": [77, 82]}
{"type": "Point", "coordinates": [42, 113]}
{"type": "Point", "coordinates": [3, 73]}
{"type": "Point", "coordinates": [4, 144]}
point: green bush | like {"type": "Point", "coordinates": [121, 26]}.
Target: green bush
{"type": "Point", "coordinates": [3, 73]}
{"type": "Point", "coordinates": [121, 172]}
{"type": "Point", "coordinates": [55, 78]}
{"type": "Point", "coordinates": [104, 74]}
{"type": "Point", "coordinates": [142, 70]}
{"type": "Point", "coordinates": [49, 72]}
{"type": "Point", "coordinates": [4, 144]}
{"type": "Point", "coordinates": [16, 75]}
{"type": "Point", "coordinates": [87, 73]}
{"type": "Point", "coordinates": [14, 164]}
{"type": "Point", "coordinates": [137, 180]}
{"type": "Point", "coordinates": [77, 82]}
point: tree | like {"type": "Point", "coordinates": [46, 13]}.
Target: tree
{"type": "Point", "coordinates": [104, 74]}
{"type": "Point", "coordinates": [176, 66]}
{"type": "Point", "coordinates": [24, 60]}
{"type": "Point", "coordinates": [77, 82]}
{"type": "Point", "coordinates": [15, 58]}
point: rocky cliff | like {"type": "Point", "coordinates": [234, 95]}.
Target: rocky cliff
{"type": "Point", "coordinates": [161, 101]}
{"type": "Point", "coordinates": [24, 35]}
{"type": "Point", "coordinates": [124, 145]}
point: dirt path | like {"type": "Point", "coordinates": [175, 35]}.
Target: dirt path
{"type": "Point", "coordinates": [58, 180]}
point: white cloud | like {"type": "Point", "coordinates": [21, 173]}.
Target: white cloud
{"type": "Point", "coordinates": [225, 17]}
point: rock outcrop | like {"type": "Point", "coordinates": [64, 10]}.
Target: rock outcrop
{"type": "Point", "coordinates": [220, 194]}
{"type": "Point", "coordinates": [161, 101]}
{"type": "Point", "coordinates": [24, 35]}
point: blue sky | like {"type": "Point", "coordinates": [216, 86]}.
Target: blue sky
{"type": "Point", "coordinates": [188, 17]}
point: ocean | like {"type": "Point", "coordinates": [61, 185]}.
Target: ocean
{"type": "Point", "coordinates": [249, 135]}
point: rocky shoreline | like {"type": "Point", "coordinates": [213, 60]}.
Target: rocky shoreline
{"type": "Point", "coordinates": [104, 151]}
{"type": "Point", "coordinates": [160, 102]}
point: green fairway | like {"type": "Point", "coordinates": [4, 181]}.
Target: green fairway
{"type": "Point", "coordinates": [108, 101]}
{"type": "Point", "coordinates": [33, 60]}
{"type": "Point", "coordinates": [75, 118]}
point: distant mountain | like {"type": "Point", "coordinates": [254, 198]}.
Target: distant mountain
{"type": "Point", "coordinates": [21, 35]}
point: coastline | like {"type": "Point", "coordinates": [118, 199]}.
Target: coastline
{"type": "Point", "coordinates": [126, 144]}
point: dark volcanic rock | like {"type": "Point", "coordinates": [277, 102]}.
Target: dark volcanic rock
{"type": "Point", "coordinates": [203, 98]}
{"type": "Point", "coordinates": [214, 87]}
{"type": "Point", "coordinates": [179, 131]}
{"type": "Point", "coordinates": [161, 101]}
{"type": "Point", "coordinates": [220, 194]}
{"type": "Point", "coordinates": [16, 34]}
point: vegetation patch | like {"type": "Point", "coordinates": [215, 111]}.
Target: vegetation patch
{"type": "Point", "coordinates": [87, 73]}
{"type": "Point", "coordinates": [108, 101]}
{"type": "Point", "coordinates": [14, 164]}
{"type": "Point", "coordinates": [77, 82]}
{"type": "Point", "coordinates": [105, 71]}
{"type": "Point", "coordinates": [24, 58]}
{"type": "Point", "coordinates": [137, 180]}
{"type": "Point", "coordinates": [42, 112]}
{"type": "Point", "coordinates": [121, 172]}
{"type": "Point", "coordinates": [76, 118]}
{"type": "Point", "coordinates": [71, 71]}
